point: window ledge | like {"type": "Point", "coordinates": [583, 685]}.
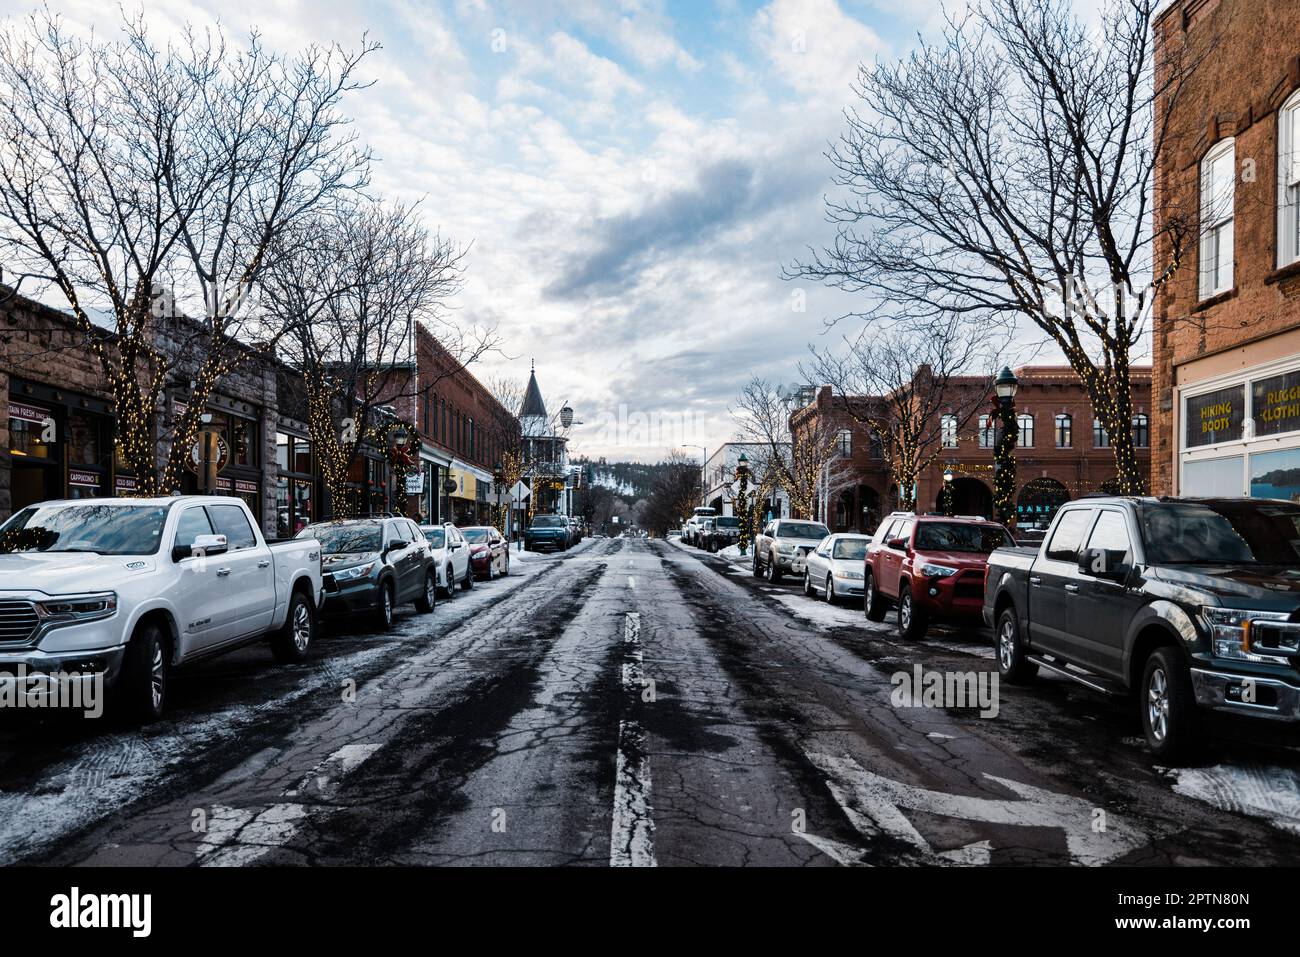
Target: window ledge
{"type": "Point", "coordinates": [1286, 272]}
{"type": "Point", "coordinates": [1211, 301]}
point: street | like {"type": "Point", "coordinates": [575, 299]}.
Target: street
{"type": "Point", "coordinates": [629, 702]}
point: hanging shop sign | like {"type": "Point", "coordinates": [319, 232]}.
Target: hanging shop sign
{"type": "Point", "coordinates": [1215, 417]}
{"type": "Point", "coordinates": [27, 413]}
{"type": "Point", "coordinates": [194, 461]}
{"type": "Point", "coordinates": [125, 483]}
{"type": "Point", "coordinates": [83, 479]}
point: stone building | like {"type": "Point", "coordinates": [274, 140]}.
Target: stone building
{"type": "Point", "coordinates": [1227, 326]}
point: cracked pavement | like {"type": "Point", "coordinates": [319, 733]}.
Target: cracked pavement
{"type": "Point", "coordinates": [628, 703]}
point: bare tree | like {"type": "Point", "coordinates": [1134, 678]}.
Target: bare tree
{"type": "Point", "coordinates": [675, 493]}
{"type": "Point", "coordinates": [147, 184]}
{"type": "Point", "coordinates": [795, 453]}
{"type": "Point", "coordinates": [353, 302]}
{"type": "Point", "coordinates": [1005, 175]}
{"type": "Point", "coordinates": [906, 388]}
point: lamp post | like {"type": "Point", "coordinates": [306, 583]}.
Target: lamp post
{"type": "Point", "coordinates": [742, 476]}
{"type": "Point", "coordinates": [1005, 387]}
{"type": "Point", "coordinates": [947, 491]}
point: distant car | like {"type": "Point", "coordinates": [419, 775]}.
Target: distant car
{"type": "Point", "coordinates": [575, 531]}
{"type": "Point", "coordinates": [835, 567]}
{"type": "Point", "coordinates": [489, 553]}
{"type": "Point", "coordinates": [930, 567]}
{"type": "Point", "coordinates": [721, 532]}
{"type": "Point", "coordinates": [547, 533]}
{"type": "Point", "coordinates": [691, 530]}
{"type": "Point", "coordinates": [784, 544]}
{"type": "Point", "coordinates": [450, 557]}
{"type": "Point", "coordinates": [372, 565]}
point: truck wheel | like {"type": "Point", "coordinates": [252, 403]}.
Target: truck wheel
{"type": "Point", "coordinates": [912, 621]}
{"type": "Point", "coordinates": [292, 642]}
{"type": "Point", "coordinates": [384, 608]}
{"type": "Point", "coordinates": [1013, 666]}
{"type": "Point", "coordinates": [872, 602]}
{"type": "Point", "coordinates": [773, 572]}
{"type": "Point", "coordinates": [1173, 726]}
{"type": "Point", "coordinates": [142, 688]}
{"type": "Point", "coordinates": [429, 597]}
{"type": "Point", "coordinates": [758, 571]}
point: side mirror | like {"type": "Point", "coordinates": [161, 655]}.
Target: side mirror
{"type": "Point", "coordinates": [897, 544]}
{"type": "Point", "coordinates": [204, 546]}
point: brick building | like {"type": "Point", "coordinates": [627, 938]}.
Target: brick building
{"type": "Point", "coordinates": [1063, 451]}
{"type": "Point", "coordinates": [1227, 327]}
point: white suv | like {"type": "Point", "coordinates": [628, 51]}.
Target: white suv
{"type": "Point", "coordinates": [450, 556]}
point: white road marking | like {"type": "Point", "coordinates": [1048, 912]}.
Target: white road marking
{"type": "Point", "coordinates": [875, 804]}
{"type": "Point", "coordinates": [633, 674]}
{"type": "Point", "coordinates": [631, 832]}
{"type": "Point", "coordinates": [1257, 790]}
{"type": "Point", "coordinates": [841, 854]}
{"type": "Point", "coordinates": [239, 836]}
{"type": "Point", "coordinates": [631, 582]}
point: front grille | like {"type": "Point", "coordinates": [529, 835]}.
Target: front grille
{"type": "Point", "coordinates": [17, 621]}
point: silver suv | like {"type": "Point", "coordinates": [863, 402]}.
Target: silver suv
{"type": "Point", "coordinates": [783, 545]}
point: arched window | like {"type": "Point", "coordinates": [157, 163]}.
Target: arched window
{"type": "Point", "coordinates": [1218, 206]}
{"type": "Point", "coordinates": [1025, 425]}
{"type": "Point", "coordinates": [1100, 440]}
{"type": "Point", "coordinates": [844, 443]}
{"type": "Point", "coordinates": [1064, 431]}
{"type": "Point", "coordinates": [1288, 185]}
{"type": "Point", "coordinates": [948, 430]}
{"type": "Point", "coordinates": [1141, 430]}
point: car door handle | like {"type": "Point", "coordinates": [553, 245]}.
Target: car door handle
{"type": "Point", "coordinates": [263, 563]}
{"type": "Point", "coordinates": [223, 572]}
{"type": "Point", "coordinates": [1035, 580]}
{"type": "Point", "coordinates": [1072, 589]}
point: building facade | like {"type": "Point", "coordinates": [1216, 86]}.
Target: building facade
{"type": "Point", "coordinates": [1227, 326]}
{"type": "Point", "coordinates": [545, 454]}
{"type": "Point", "coordinates": [721, 486]}
{"type": "Point", "coordinates": [1062, 452]}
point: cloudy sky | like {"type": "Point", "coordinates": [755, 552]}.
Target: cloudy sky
{"type": "Point", "coordinates": [632, 174]}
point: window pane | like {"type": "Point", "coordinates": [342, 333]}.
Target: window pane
{"type": "Point", "coordinates": [230, 521]}
{"type": "Point", "coordinates": [1069, 535]}
{"type": "Point", "coordinates": [1213, 478]}
{"type": "Point", "coordinates": [1110, 534]}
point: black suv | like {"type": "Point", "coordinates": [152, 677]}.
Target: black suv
{"type": "Point", "coordinates": [720, 532]}
{"type": "Point", "coordinates": [372, 565]}
{"type": "Point", "coordinates": [1189, 605]}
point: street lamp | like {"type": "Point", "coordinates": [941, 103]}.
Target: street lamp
{"type": "Point", "coordinates": [400, 436]}
{"type": "Point", "coordinates": [1005, 387]}
{"type": "Point", "coordinates": [742, 476]}
{"type": "Point", "coordinates": [946, 493]}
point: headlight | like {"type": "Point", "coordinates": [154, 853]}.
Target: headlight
{"type": "Point", "coordinates": [937, 571]}
{"type": "Point", "coordinates": [851, 575]}
{"type": "Point", "coordinates": [785, 549]}
{"type": "Point", "coordinates": [77, 608]}
{"type": "Point", "coordinates": [1228, 631]}
{"type": "Point", "coordinates": [356, 571]}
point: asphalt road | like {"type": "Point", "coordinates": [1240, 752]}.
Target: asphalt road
{"type": "Point", "coordinates": [630, 703]}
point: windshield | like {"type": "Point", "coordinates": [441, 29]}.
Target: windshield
{"type": "Point", "coordinates": [854, 548]}
{"type": "Point", "coordinates": [435, 535]}
{"type": "Point", "coordinates": [341, 537]}
{"type": "Point", "coordinates": [549, 521]}
{"type": "Point", "coordinates": [803, 530]}
{"type": "Point", "coordinates": [727, 522]}
{"type": "Point", "coordinates": [1217, 533]}
{"type": "Point", "coordinates": [476, 535]}
{"type": "Point", "coordinates": [102, 529]}
{"type": "Point", "coordinates": [960, 537]}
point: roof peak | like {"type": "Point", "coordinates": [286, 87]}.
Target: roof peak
{"type": "Point", "coordinates": [533, 404]}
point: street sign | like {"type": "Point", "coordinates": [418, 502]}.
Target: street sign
{"type": "Point", "coordinates": [520, 491]}
{"type": "Point", "coordinates": [415, 484]}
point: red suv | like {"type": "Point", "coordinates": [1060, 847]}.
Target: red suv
{"type": "Point", "coordinates": [931, 567]}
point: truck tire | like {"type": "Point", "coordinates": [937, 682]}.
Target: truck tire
{"type": "Point", "coordinates": [912, 621]}
{"type": "Point", "coordinates": [292, 642]}
{"type": "Point", "coordinates": [773, 569]}
{"type": "Point", "coordinates": [873, 603]}
{"type": "Point", "coordinates": [142, 688]}
{"type": "Point", "coordinates": [1013, 666]}
{"type": "Point", "coordinates": [429, 597]}
{"type": "Point", "coordinates": [758, 572]}
{"type": "Point", "coordinates": [384, 607]}
{"type": "Point", "coordinates": [1170, 718]}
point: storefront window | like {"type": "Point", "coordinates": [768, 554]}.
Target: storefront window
{"type": "Point", "coordinates": [1215, 417]}
{"type": "Point", "coordinates": [282, 451]}
{"type": "Point", "coordinates": [86, 440]}
{"type": "Point", "coordinates": [30, 433]}
{"type": "Point", "coordinates": [242, 435]}
{"type": "Point", "coordinates": [1275, 404]}
{"type": "Point", "coordinates": [1276, 475]}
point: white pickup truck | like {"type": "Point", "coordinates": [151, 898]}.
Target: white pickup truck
{"type": "Point", "coordinates": [131, 588]}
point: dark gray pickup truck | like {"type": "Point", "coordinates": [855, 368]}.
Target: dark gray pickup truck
{"type": "Point", "coordinates": [1188, 604]}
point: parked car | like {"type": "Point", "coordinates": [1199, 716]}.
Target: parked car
{"type": "Point", "coordinates": [372, 565]}
{"type": "Point", "coordinates": [1194, 604]}
{"type": "Point", "coordinates": [783, 545]}
{"type": "Point", "coordinates": [132, 589]}
{"type": "Point", "coordinates": [835, 567]}
{"type": "Point", "coordinates": [691, 530]}
{"type": "Point", "coordinates": [931, 567]}
{"type": "Point", "coordinates": [721, 532]}
{"type": "Point", "coordinates": [547, 533]}
{"type": "Point", "coordinates": [451, 556]}
{"type": "Point", "coordinates": [489, 552]}
{"type": "Point", "coordinates": [575, 531]}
